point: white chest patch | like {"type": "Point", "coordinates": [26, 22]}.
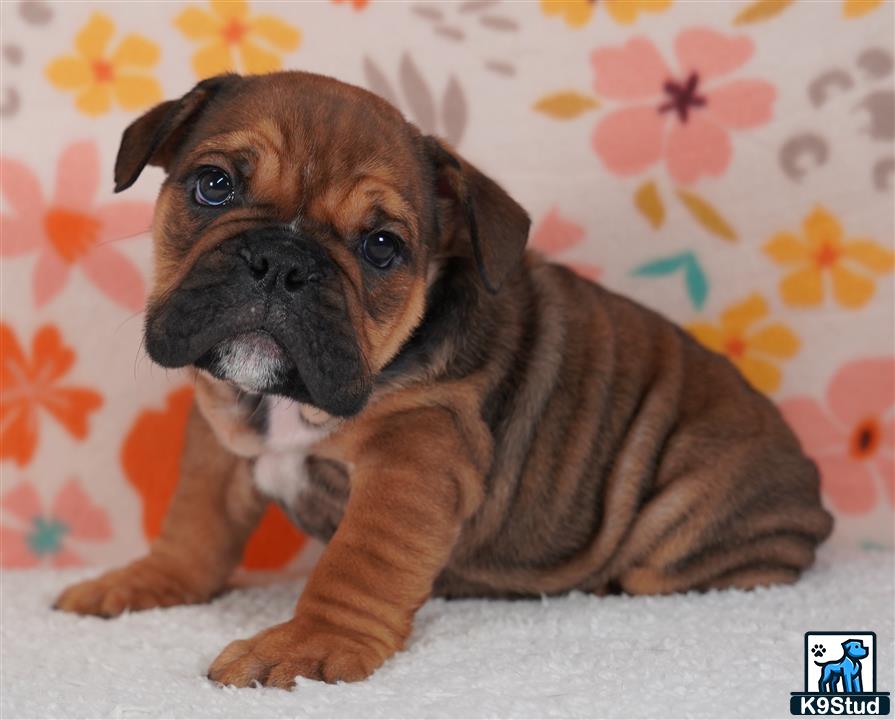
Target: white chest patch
{"type": "Point", "coordinates": [280, 470]}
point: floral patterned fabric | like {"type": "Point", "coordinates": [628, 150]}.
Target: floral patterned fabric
{"type": "Point", "coordinates": [728, 163]}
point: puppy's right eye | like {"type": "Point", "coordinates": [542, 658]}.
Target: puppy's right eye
{"type": "Point", "coordinates": [213, 187]}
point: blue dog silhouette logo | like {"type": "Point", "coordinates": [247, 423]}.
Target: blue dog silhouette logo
{"type": "Point", "coordinates": [843, 675]}
{"type": "Point", "coordinates": [840, 676]}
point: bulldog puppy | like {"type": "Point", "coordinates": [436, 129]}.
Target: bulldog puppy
{"type": "Point", "coordinates": [374, 349]}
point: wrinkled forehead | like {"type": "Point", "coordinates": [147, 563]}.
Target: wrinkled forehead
{"type": "Point", "coordinates": [317, 148]}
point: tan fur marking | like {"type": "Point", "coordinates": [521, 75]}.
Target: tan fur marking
{"type": "Point", "coordinates": [218, 402]}
{"type": "Point", "coordinates": [388, 339]}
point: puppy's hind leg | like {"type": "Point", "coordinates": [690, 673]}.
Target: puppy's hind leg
{"type": "Point", "coordinates": [727, 526]}
{"type": "Point", "coordinates": [773, 550]}
{"type": "Point", "coordinates": [207, 525]}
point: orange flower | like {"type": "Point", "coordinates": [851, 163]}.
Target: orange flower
{"type": "Point", "coordinates": [98, 75]}
{"type": "Point", "coordinates": [822, 254]}
{"type": "Point", "coordinates": [228, 32]}
{"type": "Point", "coordinates": [752, 350]}
{"type": "Point", "coordinates": [577, 13]}
{"type": "Point", "coordinates": [27, 385]}
{"type": "Point", "coordinates": [151, 459]}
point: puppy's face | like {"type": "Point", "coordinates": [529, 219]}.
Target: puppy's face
{"type": "Point", "coordinates": [295, 231]}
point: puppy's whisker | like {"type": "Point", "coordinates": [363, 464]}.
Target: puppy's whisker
{"type": "Point", "coordinates": [123, 237]}
{"type": "Point", "coordinates": [140, 355]}
{"type": "Point", "coordinates": [126, 320]}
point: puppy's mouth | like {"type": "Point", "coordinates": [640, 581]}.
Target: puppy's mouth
{"type": "Point", "coordinates": [254, 360]}
{"type": "Point", "coordinates": [265, 334]}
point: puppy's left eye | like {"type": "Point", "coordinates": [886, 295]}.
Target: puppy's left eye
{"type": "Point", "coordinates": [380, 248]}
{"type": "Point", "coordinates": [213, 187]}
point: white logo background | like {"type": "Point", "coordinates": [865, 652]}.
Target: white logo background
{"type": "Point", "coordinates": [833, 651]}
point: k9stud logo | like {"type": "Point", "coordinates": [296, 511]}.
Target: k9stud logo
{"type": "Point", "coordinates": [840, 676]}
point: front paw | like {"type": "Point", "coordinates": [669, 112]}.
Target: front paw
{"type": "Point", "coordinates": [274, 657]}
{"type": "Point", "coordinates": [142, 585]}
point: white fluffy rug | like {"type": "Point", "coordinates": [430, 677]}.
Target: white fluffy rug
{"type": "Point", "coordinates": [721, 654]}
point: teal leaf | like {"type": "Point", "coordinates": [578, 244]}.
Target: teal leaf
{"type": "Point", "coordinates": [46, 536]}
{"type": "Point", "coordinates": [662, 266]}
{"type": "Point", "coordinates": [696, 282]}
{"type": "Point", "coordinates": [873, 546]}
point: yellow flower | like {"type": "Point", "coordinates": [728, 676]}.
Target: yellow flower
{"type": "Point", "coordinates": [751, 350]}
{"type": "Point", "coordinates": [857, 8]}
{"type": "Point", "coordinates": [98, 76]}
{"type": "Point", "coordinates": [228, 33]}
{"type": "Point", "coordinates": [577, 13]}
{"type": "Point", "coordinates": [822, 254]}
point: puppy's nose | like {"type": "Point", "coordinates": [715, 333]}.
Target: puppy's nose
{"type": "Point", "coordinates": [272, 266]}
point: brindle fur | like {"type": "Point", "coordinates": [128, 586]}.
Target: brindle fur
{"type": "Point", "coordinates": [546, 437]}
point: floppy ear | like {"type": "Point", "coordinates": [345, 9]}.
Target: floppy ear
{"type": "Point", "coordinates": [495, 225]}
{"type": "Point", "coordinates": [153, 138]}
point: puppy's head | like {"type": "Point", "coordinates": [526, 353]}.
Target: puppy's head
{"type": "Point", "coordinates": [297, 231]}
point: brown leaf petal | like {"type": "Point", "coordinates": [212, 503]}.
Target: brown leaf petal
{"type": "Point", "coordinates": [453, 112]}
{"type": "Point", "coordinates": [378, 83]}
{"type": "Point", "coordinates": [417, 94]}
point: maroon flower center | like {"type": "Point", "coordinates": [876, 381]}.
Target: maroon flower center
{"type": "Point", "coordinates": [865, 438]}
{"type": "Point", "coordinates": [682, 97]}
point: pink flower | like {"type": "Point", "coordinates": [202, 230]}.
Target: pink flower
{"type": "Point", "coordinates": [683, 117]}
{"type": "Point", "coordinates": [37, 536]}
{"type": "Point", "coordinates": [553, 235]}
{"type": "Point", "coordinates": [852, 439]}
{"type": "Point", "coordinates": [69, 230]}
